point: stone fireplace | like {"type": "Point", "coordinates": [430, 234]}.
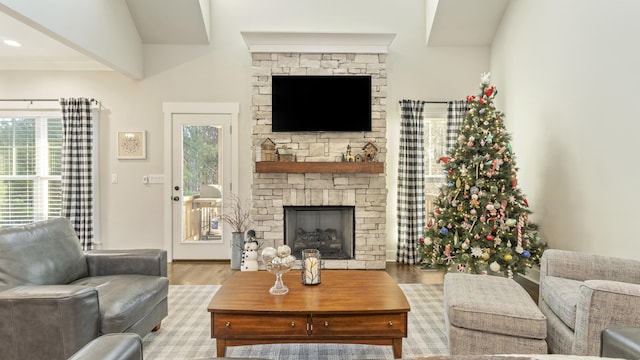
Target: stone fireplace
{"type": "Point", "coordinates": [318, 178]}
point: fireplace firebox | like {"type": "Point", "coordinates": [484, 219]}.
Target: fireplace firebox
{"type": "Point", "coordinates": [330, 229]}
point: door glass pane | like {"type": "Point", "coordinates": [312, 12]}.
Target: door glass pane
{"type": "Point", "coordinates": [201, 183]}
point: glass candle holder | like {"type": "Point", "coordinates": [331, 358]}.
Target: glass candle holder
{"type": "Point", "coordinates": [310, 262]}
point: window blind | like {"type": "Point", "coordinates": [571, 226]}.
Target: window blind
{"type": "Point", "coordinates": [30, 176]}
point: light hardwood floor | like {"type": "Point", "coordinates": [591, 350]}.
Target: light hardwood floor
{"type": "Point", "coordinates": [216, 272]}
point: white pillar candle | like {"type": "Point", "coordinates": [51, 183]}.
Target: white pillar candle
{"type": "Point", "coordinates": [311, 271]}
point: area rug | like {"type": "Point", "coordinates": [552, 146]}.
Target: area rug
{"type": "Point", "coordinates": [185, 333]}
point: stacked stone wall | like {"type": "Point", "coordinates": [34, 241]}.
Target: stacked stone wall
{"type": "Point", "coordinates": [367, 192]}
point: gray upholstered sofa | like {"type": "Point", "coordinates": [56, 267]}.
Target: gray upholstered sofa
{"type": "Point", "coordinates": [54, 299]}
{"type": "Point", "coordinates": [583, 294]}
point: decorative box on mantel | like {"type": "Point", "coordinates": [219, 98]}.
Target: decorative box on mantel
{"type": "Point", "coordinates": [268, 150]}
{"type": "Point", "coordinates": [285, 154]}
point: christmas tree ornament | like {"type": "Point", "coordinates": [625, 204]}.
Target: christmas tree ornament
{"type": "Point", "coordinates": [494, 266]}
{"type": "Point", "coordinates": [507, 257]}
{"type": "Point", "coordinates": [476, 251]}
{"type": "Point", "coordinates": [485, 78]}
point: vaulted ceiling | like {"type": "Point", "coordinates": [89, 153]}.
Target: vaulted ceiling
{"type": "Point", "coordinates": [50, 42]}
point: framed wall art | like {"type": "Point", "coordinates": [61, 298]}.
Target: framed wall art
{"type": "Point", "coordinates": [132, 144]}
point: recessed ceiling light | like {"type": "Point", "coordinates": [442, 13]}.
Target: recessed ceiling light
{"type": "Point", "coordinates": [12, 43]}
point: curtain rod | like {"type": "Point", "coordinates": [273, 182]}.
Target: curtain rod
{"type": "Point", "coordinates": [29, 99]}
{"type": "Point", "coordinates": [432, 102]}
{"type": "Point", "coordinates": [32, 100]}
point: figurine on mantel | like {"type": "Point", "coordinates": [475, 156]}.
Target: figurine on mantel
{"type": "Point", "coordinates": [369, 155]}
{"type": "Point", "coordinates": [267, 151]}
{"type": "Point", "coordinates": [370, 152]}
{"type": "Point", "coordinates": [348, 157]}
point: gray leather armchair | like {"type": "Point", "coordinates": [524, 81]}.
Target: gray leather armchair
{"type": "Point", "coordinates": [55, 299]}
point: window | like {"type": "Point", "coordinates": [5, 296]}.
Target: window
{"type": "Point", "coordinates": [30, 168]}
{"type": "Point", "coordinates": [435, 147]}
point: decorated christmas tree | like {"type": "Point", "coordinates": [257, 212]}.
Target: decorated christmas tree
{"type": "Point", "coordinates": [481, 217]}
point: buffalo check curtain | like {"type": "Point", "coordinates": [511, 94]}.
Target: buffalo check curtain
{"type": "Point", "coordinates": [455, 115]}
{"type": "Point", "coordinates": [410, 181]}
{"type": "Point", "coordinates": [77, 178]}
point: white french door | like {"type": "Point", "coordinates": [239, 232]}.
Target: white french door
{"type": "Point", "coordinates": [202, 153]}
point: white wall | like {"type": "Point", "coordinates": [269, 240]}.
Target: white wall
{"type": "Point", "coordinates": [567, 74]}
{"type": "Point", "coordinates": [131, 213]}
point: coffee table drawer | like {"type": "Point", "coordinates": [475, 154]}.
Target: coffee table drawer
{"type": "Point", "coordinates": [265, 325]}
{"type": "Point", "coordinates": [385, 325]}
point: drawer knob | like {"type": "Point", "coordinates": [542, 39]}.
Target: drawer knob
{"type": "Point", "coordinates": [390, 323]}
{"type": "Point", "coordinates": [228, 324]}
{"type": "Point", "coordinates": [293, 324]}
{"type": "Point", "coordinates": [326, 323]}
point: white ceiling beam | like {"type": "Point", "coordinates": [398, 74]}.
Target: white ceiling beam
{"type": "Point", "coordinates": [102, 30]}
{"type": "Point", "coordinates": [184, 22]}
{"type": "Point", "coordinates": [463, 23]}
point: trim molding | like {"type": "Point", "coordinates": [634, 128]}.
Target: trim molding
{"type": "Point", "coordinates": [302, 42]}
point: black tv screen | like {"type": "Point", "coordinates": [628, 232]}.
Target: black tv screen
{"type": "Point", "coordinates": [321, 103]}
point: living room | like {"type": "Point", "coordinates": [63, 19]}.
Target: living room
{"type": "Point", "coordinates": [557, 66]}
{"type": "Point", "coordinates": [556, 81]}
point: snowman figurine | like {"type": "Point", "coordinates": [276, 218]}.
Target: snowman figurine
{"type": "Point", "coordinates": [250, 256]}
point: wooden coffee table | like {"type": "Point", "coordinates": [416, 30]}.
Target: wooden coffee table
{"type": "Point", "coordinates": [349, 306]}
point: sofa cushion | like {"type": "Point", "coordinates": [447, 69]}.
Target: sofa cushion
{"type": "Point", "coordinates": [561, 296]}
{"type": "Point", "coordinates": [125, 299]}
{"type": "Point", "coordinates": [477, 302]}
{"type": "Point", "coordinates": [42, 253]}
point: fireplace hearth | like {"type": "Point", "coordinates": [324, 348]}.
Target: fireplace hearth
{"type": "Point", "coordinates": [330, 229]}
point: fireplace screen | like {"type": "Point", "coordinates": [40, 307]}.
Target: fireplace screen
{"type": "Point", "coordinates": [330, 229]}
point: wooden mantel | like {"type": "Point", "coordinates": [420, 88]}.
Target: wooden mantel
{"type": "Point", "coordinates": [320, 167]}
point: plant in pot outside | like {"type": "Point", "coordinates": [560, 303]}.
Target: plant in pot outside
{"type": "Point", "coordinates": [238, 216]}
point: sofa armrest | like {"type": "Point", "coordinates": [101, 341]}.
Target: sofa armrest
{"type": "Point", "coordinates": [47, 321]}
{"type": "Point", "coordinates": [117, 262]}
{"type": "Point", "coordinates": [124, 346]}
{"type": "Point", "coordinates": [582, 266]}
{"type": "Point", "coordinates": [603, 304]}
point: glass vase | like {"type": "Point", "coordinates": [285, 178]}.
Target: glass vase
{"type": "Point", "coordinates": [278, 288]}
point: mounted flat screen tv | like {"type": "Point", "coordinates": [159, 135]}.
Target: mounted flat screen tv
{"type": "Point", "coordinates": [321, 103]}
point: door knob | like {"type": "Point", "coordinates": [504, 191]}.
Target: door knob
{"type": "Point", "coordinates": [176, 198]}
{"type": "Point", "coordinates": [176, 188]}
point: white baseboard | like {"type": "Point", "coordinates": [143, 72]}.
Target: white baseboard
{"type": "Point", "coordinates": [391, 255]}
